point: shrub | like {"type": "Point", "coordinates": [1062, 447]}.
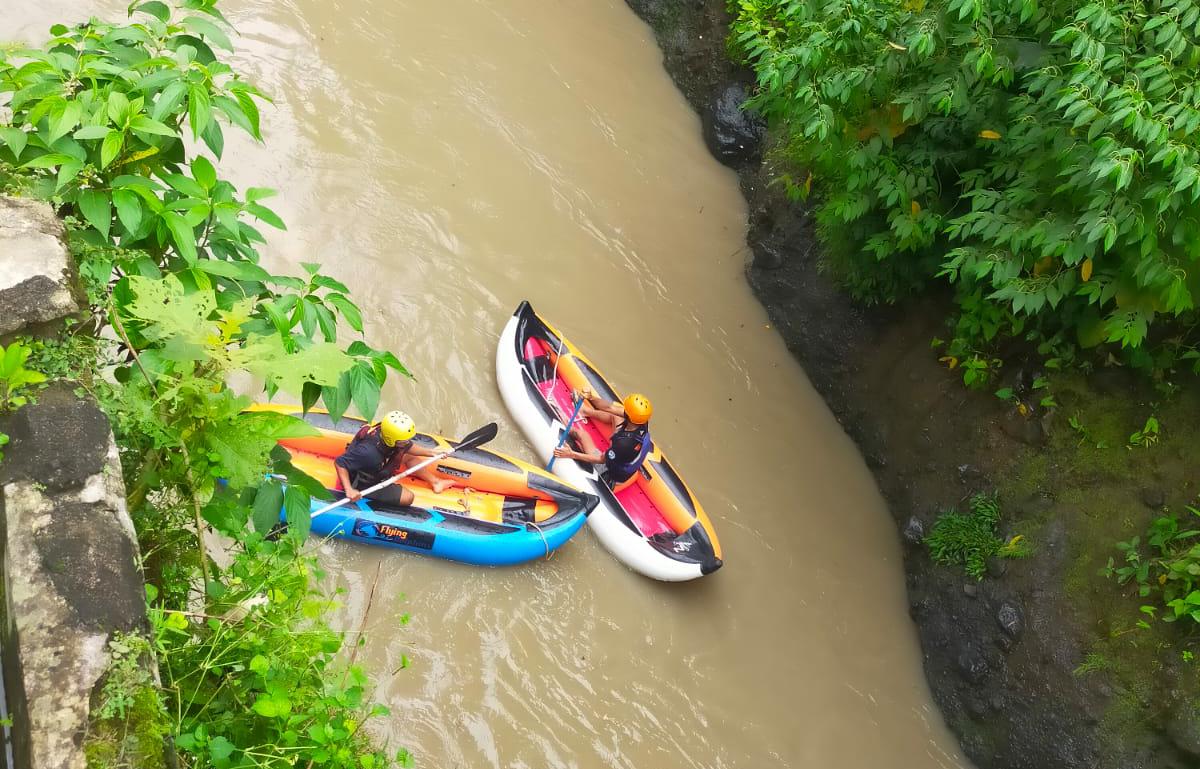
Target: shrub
{"type": "Point", "coordinates": [969, 539]}
{"type": "Point", "coordinates": [1169, 568]}
{"type": "Point", "coordinates": [1043, 158]}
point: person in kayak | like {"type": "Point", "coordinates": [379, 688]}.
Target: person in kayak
{"type": "Point", "coordinates": [630, 442]}
{"type": "Point", "coordinates": [380, 451]}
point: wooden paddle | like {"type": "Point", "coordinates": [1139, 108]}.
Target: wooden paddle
{"type": "Point", "coordinates": [477, 438]}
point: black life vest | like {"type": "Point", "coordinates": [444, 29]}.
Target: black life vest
{"type": "Point", "coordinates": [626, 451]}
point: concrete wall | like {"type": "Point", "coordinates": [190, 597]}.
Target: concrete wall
{"type": "Point", "coordinates": [69, 550]}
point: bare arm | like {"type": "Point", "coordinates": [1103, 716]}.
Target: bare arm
{"type": "Point", "coordinates": [421, 451]}
{"type": "Point", "coordinates": [344, 476]}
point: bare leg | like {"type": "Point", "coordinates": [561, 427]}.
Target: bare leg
{"type": "Point", "coordinates": [589, 411]}
{"type": "Point", "coordinates": [586, 444]}
{"type": "Point", "coordinates": [426, 474]}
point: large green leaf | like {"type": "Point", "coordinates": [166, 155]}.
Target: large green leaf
{"type": "Point", "coordinates": [234, 270]}
{"type": "Point", "coordinates": [337, 397]}
{"type": "Point", "coordinates": [268, 505]}
{"type": "Point", "coordinates": [204, 173]}
{"type": "Point", "coordinates": [113, 142]}
{"type": "Point", "coordinates": [129, 209]}
{"type": "Point", "coordinates": [348, 309]}
{"type": "Point", "coordinates": [208, 30]}
{"type": "Point", "coordinates": [16, 139]}
{"type": "Point", "coordinates": [297, 503]}
{"type": "Point", "coordinates": [96, 207]}
{"type": "Point", "coordinates": [182, 235]}
{"type": "Point", "coordinates": [364, 389]}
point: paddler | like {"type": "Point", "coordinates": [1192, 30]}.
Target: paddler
{"type": "Point", "coordinates": [630, 441]}
{"type": "Point", "coordinates": [380, 451]}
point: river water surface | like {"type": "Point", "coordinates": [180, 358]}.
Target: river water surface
{"type": "Point", "coordinates": [448, 160]}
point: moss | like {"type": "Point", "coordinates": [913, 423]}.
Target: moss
{"type": "Point", "coordinates": [129, 725]}
{"type": "Point", "coordinates": [136, 741]}
{"type": "Point", "coordinates": [1091, 485]}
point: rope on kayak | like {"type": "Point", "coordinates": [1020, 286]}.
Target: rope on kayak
{"type": "Point", "coordinates": [543, 536]}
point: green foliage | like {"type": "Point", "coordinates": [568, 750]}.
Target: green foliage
{"type": "Point", "coordinates": [1043, 159]}
{"type": "Point", "coordinates": [73, 355]}
{"type": "Point", "coordinates": [3, 442]}
{"type": "Point", "coordinates": [257, 680]}
{"type": "Point", "coordinates": [1147, 436]}
{"type": "Point", "coordinates": [1169, 568]}
{"type": "Point", "coordinates": [102, 121]}
{"type": "Point", "coordinates": [969, 539]}
{"type": "Point", "coordinates": [15, 378]}
{"type": "Point", "coordinates": [1094, 662]}
{"type": "Point", "coordinates": [128, 723]}
{"type": "Point", "coordinates": [99, 119]}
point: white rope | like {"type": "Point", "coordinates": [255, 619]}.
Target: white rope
{"type": "Point", "coordinates": [543, 536]}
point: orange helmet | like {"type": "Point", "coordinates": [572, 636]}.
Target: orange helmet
{"type": "Point", "coordinates": [637, 408]}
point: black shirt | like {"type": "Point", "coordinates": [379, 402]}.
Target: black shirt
{"type": "Point", "coordinates": [368, 458]}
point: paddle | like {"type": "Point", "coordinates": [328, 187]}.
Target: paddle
{"type": "Point", "coordinates": [566, 432]}
{"type": "Point", "coordinates": [477, 438]}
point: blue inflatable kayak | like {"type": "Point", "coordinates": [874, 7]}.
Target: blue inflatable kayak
{"type": "Point", "coordinates": [500, 510]}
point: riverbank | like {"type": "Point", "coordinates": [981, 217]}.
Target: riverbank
{"type": "Point", "coordinates": [1040, 663]}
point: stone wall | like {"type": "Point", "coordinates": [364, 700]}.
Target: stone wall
{"type": "Point", "coordinates": [69, 550]}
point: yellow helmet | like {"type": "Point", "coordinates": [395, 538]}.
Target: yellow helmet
{"type": "Point", "coordinates": [397, 426]}
{"type": "Point", "coordinates": [637, 409]}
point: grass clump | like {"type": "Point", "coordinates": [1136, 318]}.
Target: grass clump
{"type": "Point", "coordinates": [969, 539]}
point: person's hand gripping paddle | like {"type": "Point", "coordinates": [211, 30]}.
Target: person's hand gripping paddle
{"type": "Point", "coordinates": [566, 431]}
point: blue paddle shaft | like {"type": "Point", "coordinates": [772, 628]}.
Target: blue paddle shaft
{"type": "Point", "coordinates": [566, 432]}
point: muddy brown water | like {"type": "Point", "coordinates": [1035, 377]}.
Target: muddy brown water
{"type": "Point", "coordinates": [448, 160]}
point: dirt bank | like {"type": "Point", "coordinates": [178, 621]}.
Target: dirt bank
{"type": "Point", "coordinates": [1005, 656]}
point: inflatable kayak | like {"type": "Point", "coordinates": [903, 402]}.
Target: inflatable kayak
{"type": "Point", "coordinates": [652, 522]}
{"type": "Point", "coordinates": [513, 512]}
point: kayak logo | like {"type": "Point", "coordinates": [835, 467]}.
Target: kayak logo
{"type": "Point", "coordinates": [453, 472]}
{"type": "Point", "coordinates": [682, 547]}
{"type": "Point", "coordinates": [395, 534]}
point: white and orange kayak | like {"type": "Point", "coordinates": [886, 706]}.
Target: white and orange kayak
{"type": "Point", "coordinates": [652, 522]}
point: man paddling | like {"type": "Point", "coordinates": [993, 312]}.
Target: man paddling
{"type": "Point", "coordinates": [380, 451]}
{"type": "Point", "coordinates": [630, 442]}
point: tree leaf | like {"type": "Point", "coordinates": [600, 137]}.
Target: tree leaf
{"type": "Point", "coordinates": [297, 505]}
{"type": "Point", "coordinates": [113, 143]}
{"type": "Point", "coordinates": [204, 173]}
{"type": "Point", "coordinates": [91, 133]}
{"type": "Point", "coordinates": [129, 209]}
{"type": "Point", "coordinates": [148, 125]}
{"type": "Point", "coordinates": [364, 390]}
{"type": "Point", "coordinates": [185, 185]}
{"type": "Point", "coordinates": [199, 110]}
{"type": "Point", "coordinates": [348, 310]}
{"type": "Point", "coordinates": [64, 121]}
{"type": "Point", "coordinates": [183, 236]}
{"type": "Point", "coordinates": [337, 398]}
{"type": "Point", "coordinates": [208, 30]}
{"type": "Point", "coordinates": [16, 139]}
{"type": "Point", "coordinates": [156, 9]}
{"type": "Point", "coordinates": [48, 160]}
{"type": "Point", "coordinates": [236, 270]}
{"type": "Point", "coordinates": [265, 214]}
{"type": "Point", "coordinates": [96, 207]}
{"type": "Point", "coordinates": [268, 505]}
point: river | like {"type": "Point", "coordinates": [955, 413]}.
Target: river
{"type": "Point", "coordinates": [450, 159]}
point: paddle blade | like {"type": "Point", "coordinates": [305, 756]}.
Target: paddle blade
{"type": "Point", "coordinates": [479, 437]}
